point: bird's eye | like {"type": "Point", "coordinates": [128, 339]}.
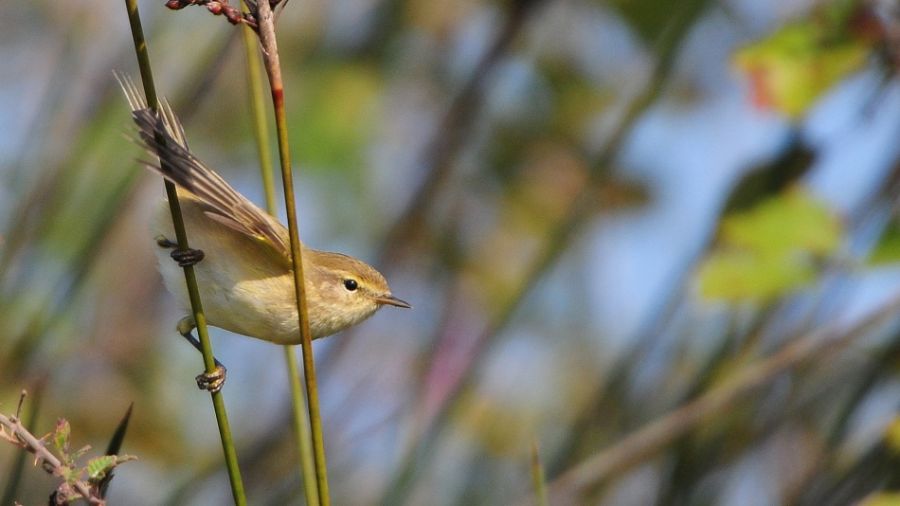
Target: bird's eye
{"type": "Point", "coordinates": [351, 284]}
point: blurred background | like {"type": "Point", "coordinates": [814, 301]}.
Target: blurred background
{"type": "Point", "coordinates": [601, 211]}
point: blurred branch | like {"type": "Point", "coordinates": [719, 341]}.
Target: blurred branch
{"type": "Point", "coordinates": [584, 204]}
{"type": "Point", "coordinates": [877, 469]}
{"type": "Point", "coordinates": [556, 242]}
{"type": "Point", "coordinates": [645, 442]}
{"type": "Point", "coordinates": [54, 311]}
{"type": "Point", "coordinates": [450, 135]}
{"type": "Point", "coordinates": [209, 69]}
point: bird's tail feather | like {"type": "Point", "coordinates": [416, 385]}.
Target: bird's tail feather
{"type": "Point", "coordinates": [162, 134]}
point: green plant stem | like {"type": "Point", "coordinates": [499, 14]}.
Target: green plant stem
{"type": "Point", "coordinates": [261, 134]}
{"type": "Point", "coordinates": [538, 479]}
{"type": "Point", "coordinates": [266, 20]}
{"type": "Point", "coordinates": [234, 474]}
{"type": "Point", "coordinates": [257, 108]}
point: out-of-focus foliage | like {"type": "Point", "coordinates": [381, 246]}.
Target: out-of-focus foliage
{"type": "Point", "coordinates": [339, 104]}
{"type": "Point", "coordinates": [791, 68]}
{"type": "Point", "coordinates": [771, 249]}
{"type": "Point", "coordinates": [887, 251]}
{"type": "Point", "coordinates": [882, 499]}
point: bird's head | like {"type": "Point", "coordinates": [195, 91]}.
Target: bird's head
{"type": "Point", "coordinates": [342, 291]}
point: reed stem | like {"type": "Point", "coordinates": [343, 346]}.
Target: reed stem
{"type": "Point", "coordinates": [266, 20]}
{"type": "Point", "coordinates": [261, 134]}
{"type": "Point", "coordinates": [231, 462]}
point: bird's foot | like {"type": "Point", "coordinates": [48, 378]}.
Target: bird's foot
{"type": "Point", "coordinates": [187, 257]}
{"type": "Point", "coordinates": [184, 257]}
{"type": "Point", "coordinates": [212, 381]}
{"type": "Point", "coordinates": [164, 242]}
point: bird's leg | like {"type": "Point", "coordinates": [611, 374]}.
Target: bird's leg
{"type": "Point", "coordinates": [212, 381]}
{"type": "Point", "coordinates": [184, 257]}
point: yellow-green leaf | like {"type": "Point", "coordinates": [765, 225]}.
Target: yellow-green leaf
{"type": "Point", "coordinates": [892, 435]}
{"type": "Point", "coordinates": [61, 436]}
{"type": "Point", "coordinates": [882, 499]}
{"type": "Point", "coordinates": [770, 249]}
{"type": "Point", "coordinates": [790, 221]}
{"type": "Point", "coordinates": [98, 467]}
{"type": "Point", "coordinates": [735, 275]}
{"type": "Point", "coordinates": [793, 67]}
{"type": "Point", "coordinates": [888, 248]}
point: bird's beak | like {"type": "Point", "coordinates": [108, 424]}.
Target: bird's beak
{"type": "Point", "coordinates": [390, 300]}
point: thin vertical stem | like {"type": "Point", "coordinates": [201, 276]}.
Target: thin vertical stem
{"type": "Point", "coordinates": [257, 105]}
{"type": "Point", "coordinates": [261, 134]}
{"type": "Point", "coordinates": [266, 20]}
{"type": "Point", "coordinates": [538, 479]}
{"type": "Point", "coordinates": [234, 474]}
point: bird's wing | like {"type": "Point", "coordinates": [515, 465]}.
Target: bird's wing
{"type": "Point", "coordinates": [163, 135]}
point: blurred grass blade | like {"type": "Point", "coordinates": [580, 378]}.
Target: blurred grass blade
{"type": "Point", "coordinates": [115, 444]}
{"type": "Point", "coordinates": [538, 479]}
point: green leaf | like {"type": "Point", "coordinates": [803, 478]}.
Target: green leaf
{"type": "Point", "coordinates": [649, 18]}
{"type": "Point", "coordinates": [892, 435]}
{"type": "Point", "coordinates": [888, 248]}
{"type": "Point", "coordinates": [882, 499]}
{"type": "Point", "coordinates": [736, 275]}
{"type": "Point", "coordinates": [794, 66]}
{"type": "Point", "coordinates": [790, 221]}
{"type": "Point", "coordinates": [97, 467]}
{"type": "Point", "coordinates": [770, 249]}
{"type": "Point", "coordinates": [61, 437]}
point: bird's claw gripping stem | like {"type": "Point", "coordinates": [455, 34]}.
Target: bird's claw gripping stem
{"type": "Point", "coordinates": [212, 381]}
{"type": "Point", "coordinates": [187, 257]}
{"type": "Point", "coordinates": [184, 257]}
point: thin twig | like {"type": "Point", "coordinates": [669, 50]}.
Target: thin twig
{"type": "Point", "coordinates": [18, 466]}
{"type": "Point", "coordinates": [450, 135]}
{"type": "Point", "coordinates": [266, 30]}
{"type": "Point", "coordinates": [18, 434]}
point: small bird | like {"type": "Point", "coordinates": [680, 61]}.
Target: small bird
{"type": "Point", "coordinates": [242, 254]}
